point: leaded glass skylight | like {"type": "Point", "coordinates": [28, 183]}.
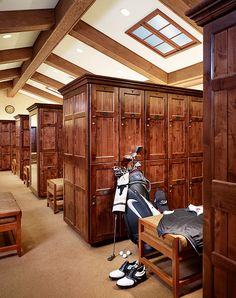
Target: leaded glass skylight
{"type": "Point", "coordinates": [161, 34]}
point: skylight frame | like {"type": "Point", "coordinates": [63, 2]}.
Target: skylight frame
{"type": "Point", "coordinates": [154, 32]}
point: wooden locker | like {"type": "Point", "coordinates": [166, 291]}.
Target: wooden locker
{"type": "Point", "coordinates": [45, 134]}
{"type": "Point", "coordinates": [177, 183]}
{"type": "Point", "coordinates": [156, 173]}
{"type": "Point", "coordinates": [195, 138]}
{"type": "Point", "coordinates": [22, 143]}
{"type": "Point", "coordinates": [195, 181]}
{"type": "Point", "coordinates": [131, 121]}
{"type": "Point", "coordinates": [155, 125]}
{"type": "Point", "coordinates": [104, 124]}
{"type": "Point", "coordinates": [177, 125]}
{"type": "Point", "coordinates": [7, 143]}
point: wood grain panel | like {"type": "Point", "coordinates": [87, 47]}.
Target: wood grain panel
{"type": "Point", "coordinates": [177, 126]}
{"type": "Point", "coordinates": [231, 50]}
{"type": "Point", "coordinates": [177, 184]}
{"type": "Point", "coordinates": [232, 135]}
{"type": "Point", "coordinates": [195, 181]}
{"type": "Point", "coordinates": [131, 121]}
{"type": "Point", "coordinates": [104, 120]}
{"type": "Point", "coordinates": [156, 125]}
{"type": "Point", "coordinates": [81, 217]}
{"type": "Point", "coordinates": [69, 137]}
{"type": "Point", "coordinates": [69, 207]}
{"type": "Point", "coordinates": [220, 54]}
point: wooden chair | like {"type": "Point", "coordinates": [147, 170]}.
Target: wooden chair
{"type": "Point", "coordinates": [55, 194]}
{"type": "Point", "coordinates": [13, 166]}
{"type": "Point", "coordinates": [171, 247]}
{"type": "Point", "coordinates": [26, 175]}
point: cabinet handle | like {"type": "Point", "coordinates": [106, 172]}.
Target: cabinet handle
{"type": "Point", "coordinates": [93, 203]}
{"type": "Point", "coordinates": [170, 125]}
{"type": "Point", "coordinates": [148, 124]}
{"type": "Point", "coordinates": [93, 123]}
{"type": "Point", "coordinates": [122, 124]}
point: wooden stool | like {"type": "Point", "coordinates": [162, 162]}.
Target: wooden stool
{"type": "Point", "coordinates": [13, 166]}
{"type": "Point", "coordinates": [55, 194]}
{"type": "Point", "coordinates": [10, 221]}
{"type": "Point", "coordinates": [26, 175]}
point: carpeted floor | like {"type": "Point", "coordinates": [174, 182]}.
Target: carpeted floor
{"type": "Point", "coordinates": [56, 262]}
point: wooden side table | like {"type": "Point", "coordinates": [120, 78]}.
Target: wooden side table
{"type": "Point", "coordinates": [26, 175]}
{"type": "Point", "coordinates": [13, 166]}
{"type": "Point", "coordinates": [55, 194]}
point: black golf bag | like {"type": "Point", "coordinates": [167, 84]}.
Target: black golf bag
{"type": "Point", "coordinates": [138, 204]}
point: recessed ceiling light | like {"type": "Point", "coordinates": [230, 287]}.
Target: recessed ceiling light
{"type": "Point", "coordinates": [6, 36]}
{"type": "Point", "coordinates": [119, 71]}
{"type": "Point", "coordinates": [125, 12]}
{"type": "Point", "coordinates": [79, 50]}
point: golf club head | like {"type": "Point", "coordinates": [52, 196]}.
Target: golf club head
{"type": "Point", "coordinates": [111, 257]}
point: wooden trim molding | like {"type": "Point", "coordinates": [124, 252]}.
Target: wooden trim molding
{"type": "Point", "coordinates": [5, 85]}
{"type": "Point", "coordinates": [15, 55]}
{"type": "Point", "coordinates": [9, 74]}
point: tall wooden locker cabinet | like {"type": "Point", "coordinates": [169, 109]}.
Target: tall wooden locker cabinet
{"type": "Point", "coordinates": [7, 143]}
{"type": "Point", "coordinates": [219, 21]}
{"type": "Point", "coordinates": [46, 157]}
{"type": "Point", "coordinates": [22, 143]}
{"type": "Point", "coordinates": [105, 119]}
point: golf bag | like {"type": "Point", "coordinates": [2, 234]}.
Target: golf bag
{"type": "Point", "coordinates": [137, 204]}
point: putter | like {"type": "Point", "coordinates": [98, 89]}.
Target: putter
{"type": "Point", "coordinates": [110, 258]}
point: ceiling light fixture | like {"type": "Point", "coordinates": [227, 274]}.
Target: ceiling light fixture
{"type": "Point", "coordinates": [79, 50]}
{"type": "Point", "coordinates": [6, 36]}
{"type": "Point", "coordinates": [125, 12]}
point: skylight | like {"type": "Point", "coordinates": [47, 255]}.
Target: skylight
{"type": "Point", "coordinates": [161, 34]}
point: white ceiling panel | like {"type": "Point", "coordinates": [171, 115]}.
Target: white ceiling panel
{"type": "Point", "coordinates": [10, 65]}
{"type": "Point", "coordinates": [105, 16]}
{"type": "Point", "coordinates": [36, 97]}
{"type": "Point", "coordinates": [43, 87]}
{"type": "Point", "coordinates": [55, 73]}
{"type": "Point", "coordinates": [93, 60]}
{"type": "Point", "coordinates": [26, 4]}
{"type": "Point", "coordinates": [18, 40]}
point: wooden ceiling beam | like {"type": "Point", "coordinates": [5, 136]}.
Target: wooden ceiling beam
{"type": "Point", "coordinates": [26, 20]}
{"type": "Point", "coordinates": [188, 75]}
{"type": "Point", "coordinates": [41, 93]}
{"type": "Point", "coordinates": [5, 85]}
{"type": "Point", "coordinates": [15, 55]}
{"type": "Point", "coordinates": [67, 14]}
{"type": "Point", "coordinates": [66, 66]}
{"type": "Point", "coordinates": [115, 50]}
{"type": "Point", "coordinates": [47, 81]}
{"type": "Point", "coordinates": [180, 7]}
{"type": "Point", "coordinates": [9, 74]}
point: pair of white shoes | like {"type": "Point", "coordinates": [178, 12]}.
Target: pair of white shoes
{"type": "Point", "coordinates": [129, 275]}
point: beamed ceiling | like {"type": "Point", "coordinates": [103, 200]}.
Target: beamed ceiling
{"type": "Point", "coordinates": [46, 44]}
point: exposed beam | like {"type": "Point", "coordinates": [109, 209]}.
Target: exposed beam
{"type": "Point", "coordinates": [9, 74]}
{"type": "Point", "coordinates": [115, 50]}
{"type": "Point", "coordinates": [5, 85]}
{"type": "Point", "coordinates": [67, 14]}
{"type": "Point", "coordinates": [41, 93]}
{"type": "Point", "coordinates": [190, 75]}
{"type": "Point", "coordinates": [26, 20]}
{"type": "Point", "coordinates": [15, 55]}
{"type": "Point", "coordinates": [66, 66]}
{"type": "Point", "coordinates": [180, 7]}
{"type": "Point", "coordinates": [45, 80]}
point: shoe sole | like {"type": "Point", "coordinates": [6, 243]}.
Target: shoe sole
{"type": "Point", "coordinates": [135, 284]}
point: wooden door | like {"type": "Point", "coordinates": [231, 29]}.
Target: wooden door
{"type": "Point", "coordinates": [177, 183]}
{"type": "Point", "coordinates": [104, 124]}
{"type": "Point", "coordinates": [195, 135]}
{"type": "Point", "coordinates": [13, 140]}
{"type": "Point", "coordinates": [103, 185]}
{"type": "Point", "coordinates": [156, 125]}
{"type": "Point", "coordinates": [18, 145]}
{"type": "Point", "coordinates": [131, 121]}
{"type": "Point", "coordinates": [177, 125]}
{"type": "Point", "coordinates": [219, 20]}
{"type": "Point", "coordinates": [156, 173]}
{"type": "Point", "coordinates": [195, 180]}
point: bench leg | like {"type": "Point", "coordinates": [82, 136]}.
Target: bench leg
{"type": "Point", "coordinates": [175, 268]}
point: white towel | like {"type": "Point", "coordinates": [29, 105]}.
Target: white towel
{"type": "Point", "coordinates": [119, 203]}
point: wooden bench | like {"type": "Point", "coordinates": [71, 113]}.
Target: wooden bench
{"type": "Point", "coordinates": [171, 247]}
{"type": "Point", "coordinates": [55, 194]}
{"type": "Point", "coordinates": [13, 166]}
{"type": "Point", "coordinates": [26, 175]}
{"type": "Point", "coordinates": [10, 220]}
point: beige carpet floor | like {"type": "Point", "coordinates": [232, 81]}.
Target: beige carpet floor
{"type": "Point", "coordinates": [57, 263]}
